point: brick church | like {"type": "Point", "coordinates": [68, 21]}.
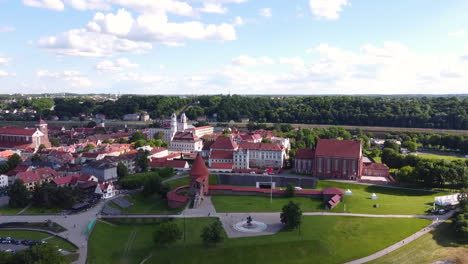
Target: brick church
{"type": "Point", "coordinates": [336, 159]}
{"type": "Point", "coordinates": [15, 138]}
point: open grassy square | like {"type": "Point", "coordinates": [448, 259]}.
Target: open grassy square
{"type": "Point", "coordinates": [321, 239]}
{"type": "Point", "coordinates": [153, 204]}
{"type": "Point", "coordinates": [441, 244]}
{"type": "Point", "coordinates": [390, 201]}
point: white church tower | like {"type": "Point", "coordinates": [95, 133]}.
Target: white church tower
{"type": "Point", "coordinates": [183, 123]}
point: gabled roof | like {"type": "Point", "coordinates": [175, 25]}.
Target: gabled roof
{"type": "Point", "coordinates": [224, 143]}
{"type": "Point", "coordinates": [16, 131]}
{"type": "Point", "coordinates": [332, 190]}
{"type": "Point", "coordinates": [18, 169]}
{"type": "Point", "coordinates": [260, 146]}
{"type": "Point", "coordinates": [185, 136]}
{"type": "Point", "coordinates": [305, 154]}
{"type": "Point", "coordinates": [338, 148]}
{"type": "Point", "coordinates": [63, 180]}
{"type": "Point", "coordinates": [160, 163]}
{"type": "Point", "coordinates": [28, 177]}
{"type": "Point", "coordinates": [221, 154]}
{"type": "Point", "coordinates": [47, 172]}
{"type": "Point", "coordinates": [222, 166]}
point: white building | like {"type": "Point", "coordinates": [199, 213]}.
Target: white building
{"type": "Point", "coordinates": [3, 181]}
{"type": "Point", "coordinates": [186, 142]}
{"type": "Point", "coordinates": [284, 142]}
{"type": "Point", "coordinates": [169, 132]}
{"type": "Point", "coordinates": [106, 189]}
{"type": "Point", "coordinates": [259, 155]}
{"type": "Point", "coordinates": [201, 131]}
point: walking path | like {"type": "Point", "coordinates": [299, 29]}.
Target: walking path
{"type": "Point", "coordinates": [405, 241]}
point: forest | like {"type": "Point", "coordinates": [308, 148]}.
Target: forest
{"type": "Point", "coordinates": [393, 111]}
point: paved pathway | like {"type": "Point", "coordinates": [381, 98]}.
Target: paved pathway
{"type": "Point", "coordinates": [405, 241]}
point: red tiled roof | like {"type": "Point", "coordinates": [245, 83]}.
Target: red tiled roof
{"type": "Point", "coordinates": [375, 166]}
{"type": "Point", "coordinates": [221, 154]}
{"type": "Point", "coordinates": [260, 146]}
{"type": "Point", "coordinates": [185, 136]}
{"type": "Point", "coordinates": [16, 131]}
{"type": "Point", "coordinates": [6, 154]}
{"type": "Point", "coordinates": [28, 177]}
{"type": "Point", "coordinates": [222, 166]}
{"type": "Point", "coordinates": [224, 143]}
{"type": "Point", "coordinates": [199, 168]}
{"type": "Point", "coordinates": [160, 163]}
{"type": "Point", "coordinates": [332, 190]}
{"type": "Point", "coordinates": [305, 154]}
{"type": "Point", "coordinates": [338, 148]}
{"type": "Point", "coordinates": [18, 169]}
{"type": "Point", "coordinates": [63, 180]}
{"type": "Point", "coordinates": [14, 145]}
{"type": "Point", "coordinates": [47, 172]}
{"type": "Point", "coordinates": [174, 196]}
{"type": "Point", "coordinates": [157, 150]}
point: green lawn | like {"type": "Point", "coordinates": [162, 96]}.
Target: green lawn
{"type": "Point", "coordinates": [147, 205]}
{"type": "Point", "coordinates": [322, 239]}
{"type": "Point", "coordinates": [390, 200]}
{"type": "Point", "coordinates": [7, 210]}
{"type": "Point", "coordinates": [22, 234]}
{"type": "Point", "coordinates": [440, 244]}
{"type": "Point", "coordinates": [179, 182]}
{"type": "Point", "coordinates": [443, 157]}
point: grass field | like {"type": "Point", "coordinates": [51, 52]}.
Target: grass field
{"type": "Point", "coordinates": [441, 244]}
{"type": "Point", "coordinates": [390, 200]}
{"type": "Point", "coordinates": [322, 239]}
{"type": "Point", "coordinates": [7, 210]}
{"type": "Point", "coordinates": [179, 182]}
{"type": "Point", "coordinates": [22, 234]}
{"type": "Point", "coordinates": [147, 205]}
{"type": "Point", "coordinates": [442, 157]}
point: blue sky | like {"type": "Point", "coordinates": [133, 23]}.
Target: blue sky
{"type": "Point", "coordinates": [234, 46]}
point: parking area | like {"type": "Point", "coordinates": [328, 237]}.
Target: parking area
{"type": "Point", "coordinates": [14, 244]}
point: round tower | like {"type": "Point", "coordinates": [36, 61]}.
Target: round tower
{"type": "Point", "coordinates": [174, 123]}
{"type": "Point", "coordinates": [183, 122]}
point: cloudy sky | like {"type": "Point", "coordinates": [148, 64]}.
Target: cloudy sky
{"type": "Point", "coordinates": [234, 46]}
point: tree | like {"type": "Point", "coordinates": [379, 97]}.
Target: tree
{"type": "Point", "coordinates": [41, 147]}
{"type": "Point", "coordinates": [291, 215]}
{"type": "Point", "coordinates": [122, 170]}
{"type": "Point", "coordinates": [36, 158]}
{"type": "Point", "coordinates": [91, 124]}
{"type": "Point", "coordinates": [166, 233]}
{"type": "Point", "coordinates": [213, 233]}
{"type": "Point", "coordinates": [158, 135]}
{"type": "Point", "coordinates": [143, 161]}
{"type": "Point", "coordinates": [42, 104]}
{"type": "Point", "coordinates": [137, 136]}
{"type": "Point", "coordinates": [463, 198]}
{"type": "Point", "coordinates": [410, 145]}
{"type": "Point", "coordinates": [152, 185]}
{"type": "Point", "coordinates": [19, 195]}
{"type": "Point", "coordinates": [43, 253]}
{"type": "Point", "coordinates": [290, 191]}
{"type": "Point", "coordinates": [88, 147]}
{"type": "Point", "coordinates": [54, 142]}
{"type": "Point", "coordinates": [392, 145]}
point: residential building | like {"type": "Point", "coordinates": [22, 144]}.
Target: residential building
{"type": "Point", "coordinates": [201, 131]}
{"type": "Point", "coordinates": [186, 142]}
{"type": "Point", "coordinates": [3, 181]}
{"type": "Point", "coordinates": [14, 138]}
{"type": "Point", "coordinates": [106, 189]}
{"type": "Point", "coordinates": [103, 170]}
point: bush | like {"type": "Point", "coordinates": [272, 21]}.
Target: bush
{"type": "Point", "coordinates": [212, 234]}
{"type": "Point", "coordinates": [290, 191]}
{"type": "Point", "coordinates": [291, 215]}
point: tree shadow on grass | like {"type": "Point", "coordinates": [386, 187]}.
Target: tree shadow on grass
{"type": "Point", "coordinates": [445, 235]}
{"type": "Point", "coordinates": [396, 191]}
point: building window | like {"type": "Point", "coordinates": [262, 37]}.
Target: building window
{"type": "Point", "coordinates": [336, 164]}
{"type": "Point", "coordinates": [328, 165]}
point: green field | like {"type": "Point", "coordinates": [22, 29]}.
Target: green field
{"type": "Point", "coordinates": [390, 200]}
{"type": "Point", "coordinates": [22, 234]}
{"type": "Point", "coordinates": [440, 244]}
{"type": "Point", "coordinates": [153, 204]}
{"type": "Point", "coordinates": [177, 183]}
{"type": "Point", "coordinates": [436, 157]}
{"type": "Point", "coordinates": [322, 239]}
{"type": "Point", "coordinates": [7, 210]}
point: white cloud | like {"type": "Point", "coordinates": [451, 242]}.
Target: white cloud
{"type": "Point", "coordinates": [141, 77]}
{"type": "Point", "coordinates": [80, 42]}
{"type": "Point", "coordinates": [71, 78]}
{"type": "Point", "coordinates": [89, 4]}
{"type": "Point", "coordinates": [4, 74]}
{"type": "Point", "coordinates": [327, 9]}
{"type": "Point", "coordinates": [115, 66]}
{"type": "Point", "coordinates": [7, 28]}
{"type": "Point", "coordinates": [4, 60]}
{"type": "Point", "coordinates": [265, 12]}
{"type": "Point", "coordinates": [238, 21]}
{"type": "Point", "coordinates": [213, 8]}
{"type": "Point", "coordinates": [157, 6]}
{"type": "Point", "coordinates": [47, 4]}
{"type": "Point", "coordinates": [249, 61]}
{"type": "Point", "coordinates": [296, 61]}
{"type": "Point", "coordinates": [457, 34]}
{"type": "Point", "coordinates": [108, 34]}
